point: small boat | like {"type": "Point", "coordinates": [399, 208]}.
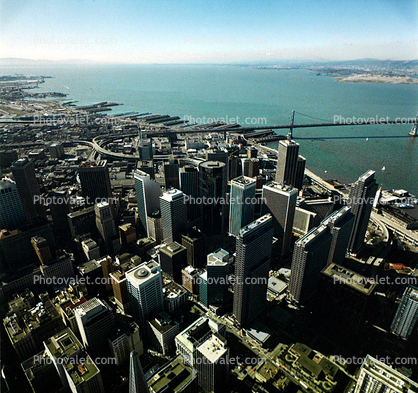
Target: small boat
{"type": "Point", "coordinates": [367, 139]}
{"type": "Point", "coordinates": [414, 129]}
{"type": "Point", "coordinates": [383, 168]}
{"type": "Point", "coordinates": [404, 205]}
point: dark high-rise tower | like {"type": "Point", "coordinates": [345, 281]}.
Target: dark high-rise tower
{"type": "Point", "coordinates": [287, 161]}
{"type": "Point", "coordinates": [254, 245]}
{"type": "Point", "coordinates": [241, 204]}
{"type": "Point", "coordinates": [361, 200]}
{"type": "Point", "coordinates": [171, 175]}
{"type": "Point", "coordinates": [24, 174]}
{"type": "Point", "coordinates": [189, 183]}
{"type": "Point", "coordinates": [95, 181]}
{"type": "Point", "coordinates": [137, 382]}
{"type": "Point", "coordinates": [212, 183]}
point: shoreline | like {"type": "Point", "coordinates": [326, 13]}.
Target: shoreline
{"type": "Point", "coordinates": [366, 78]}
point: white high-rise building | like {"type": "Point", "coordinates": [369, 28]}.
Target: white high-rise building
{"type": "Point", "coordinates": [376, 376]}
{"type": "Point", "coordinates": [173, 215]}
{"type": "Point", "coordinates": [145, 288]}
{"type": "Point", "coordinates": [406, 316]}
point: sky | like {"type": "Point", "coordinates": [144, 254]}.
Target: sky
{"type": "Point", "coordinates": [216, 31]}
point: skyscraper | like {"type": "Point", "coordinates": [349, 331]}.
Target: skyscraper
{"type": "Point", "coordinates": [173, 215]}
{"type": "Point", "coordinates": [24, 174]}
{"type": "Point", "coordinates": [287, 162]}
{"type": "Point", "coordinates": [171, 175]}
{"type": "Point", "coordinates": [147, 192]}
{"type": "Point", "coordinates": [105, 222]}
{"type": "Point", "coordinates": [406, 316]}
{"type": "Point", "coordinates": [280, 201]}
{"type": "Point", "coordinates": [300, 172]}
{"type": "Point", "coordinates": [173, 258]}
{"type": "Point", "coordinates": [340, 224]}
{"type": "Point", "coordinates": [216, 277]}
{"type": "Point", "coordinates": [195, 243]}
{"type": "Point", "coordinates": [41, 247]}
{"type": "Point", "coordinates": [242, 203]}
{"type": "Point", "coordinates": [376, 376]}
{"type": "Point", "coordinates": [321, 246]}
{"type": "Point", "coordinates": [361, 200]}
{"type": "Point", "coordinates": [254, 244]}
{"type": "Point", "coordinates": [212, 184]}
{"type": "Point", "coordinates": [146, 150]}
{"type": "Point", "coordinates": [189, 184]}
{"type": "Point", "coordinates": [95, 181]}
{"type": "Point", "coordinates": [137, 382]}
{"type": "Point", "coordinates": [96, 321]}
{"type": "Point", "coordinates": [145, 288]}
{"type": "Point", "coordinates": [212, 364]}
{"type": "Point", "coordinates": [12, 214]}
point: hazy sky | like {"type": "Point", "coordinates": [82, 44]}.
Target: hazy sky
{"type": "Point", "coordinates": [198, 31]}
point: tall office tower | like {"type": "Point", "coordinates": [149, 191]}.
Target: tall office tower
{"type": "Point", "coordinates": [104, 222]}
{"type": "Point", "coordinates": [376, 376]}
{"type": "Point", "coordinates": [16, 250]}
{"type": "Point", "coordinates": [254, 244]}
{"type": "Point", "coordinates": [287, 161]}
{"type": "Point", "coordinates": [145, 288]}
{"type": "Point", "coordinates": [300, 172]}
{"type": "Point", "coordinates": [242, 203]}
{"type": "Point", "coordinates": [252, 152]}
{"type": "Point", "coordinates": [82, 222]}
{"type": "Point", "coordinates": [218, 155]}
{"type": "Point", "coordinates": [27, 185]}
{"type": "Point", "coordinates": [173, 215]}
{"type": "Point", "coordinates": [212, 184]}
{"type": "Point", "coordinates": [78, 372]}
{"type": "Point", "coordinates": [189, 184]}
{"type": "Point", "coordinates": [95, 181]}
{"type": "Point", "coordinates": [147, 192]}
{"type": "Point", "coordinates": [173, 258]}
{"type": "Point", "coordinates": [145, 149]}
{"type": "Point", "coordinates": [361, 200]}
{"type": "Point", "coordinates": [343, 299]}
{"type": "Point", "coordinates": [96, 322]}
{"type": "Point", "coordinates": [91, 274]}
{"type": "Point", "coordinates": [234, 167]}
{"type": "Point", "coordinates": [41, 247]}
{"type": "Point", "coordinates": [56, 150]}
{"type": "Point", "coordinates": [155, 226]}
{"type": "Point", "coordinates": [171, 175]}
{"type": "Point", "coordinates": [280, 201]}
{"type": "Point", "coordinates": [212, 364]}
{"type": "Point", "coordinates": [137, 382]}
{"type": "Point", "coordinates": [406, 316]}
{"type": "Point", "coordinates": [340, 224]}
{"type": "Point", "coordinates": [251, 167]}
{"type": "Point", "coordinates": [195, 243]}
{"type": "Point", "coordinates": [216, 276]}
{"type": "Point", "coordinates": [12, 214]}
{"type": "Point", "coordinates": [310, 256]}
{"type": "Point", "coordinates": [59, 210]}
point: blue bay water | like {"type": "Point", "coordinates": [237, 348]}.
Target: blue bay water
{"type": "Point", "coordinates": [222, 91]}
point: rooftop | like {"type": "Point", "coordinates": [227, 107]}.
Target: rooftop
{"type": "Point", "coordinates": [213, 348]}
{"type": "Point", "coordinates": [350, 278]}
